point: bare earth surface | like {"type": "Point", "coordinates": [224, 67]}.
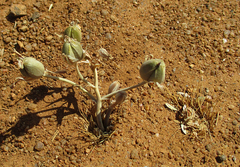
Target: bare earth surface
{"type": "Point", "coordinates": [43, 122]}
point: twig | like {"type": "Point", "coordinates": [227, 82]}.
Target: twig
{"type": "Point", "coordinates": [55, 134]}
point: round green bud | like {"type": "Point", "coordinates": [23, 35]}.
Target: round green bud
{"type": "Point", "coordinates": [153, 70]}
{"type": "Point", "coordinates": [74, 32]}
{"type": "Point", "coordinates": [72, 51]}
{"type": "Point", "coordinates": [32, 68]}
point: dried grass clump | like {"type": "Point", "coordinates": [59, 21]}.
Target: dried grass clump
{"type": "Point", "coordinates": [195, 112]}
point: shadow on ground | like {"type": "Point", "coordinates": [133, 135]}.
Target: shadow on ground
{"type": "Point", "coordinates": [28, 121]}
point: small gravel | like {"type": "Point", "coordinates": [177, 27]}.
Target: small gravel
{"type": "Point", "coordinates": [134, 154]}
{"type": "Point", "coordinates": [5, 148]}
{"type": "Point", "coordinates": [23, 28]}
{"type": "Point", "coordinates": [221, 158]}
{"type": "Point", "coordinates": [235, 122]}
{"type": "Point", "coordinates": [208, 147]}
{"type": "Point", "coordinates": [39, 146]}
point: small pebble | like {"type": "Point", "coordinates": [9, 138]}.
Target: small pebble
{"type": "Point", "coordinates": [21, 145]}
{"type": "Point", "coordinates": [104, 12]}
{"type": "Point", "coordinates": [191, 65]}
{"type": "Point", "coordinates": [134, 154]}
{"type": "Point", "coordinates": [7, 40]}
{"type": "Point", "coordinates": [224, 40]}
{"type": "Point", "coordinates": [108, 36]}
{"type": "Point", "coordinates": [5, 148]}
{"type": "Point", "coordinates": [221, 158]}
{"type": "Point", "coordinates": [2, 63]}
{"type": "Point", "coordinates": [23, 28]}
{"type": "Point", "coordinates": [113, 18]}
{"type": "Point", "coordinates": [49, 38]}
{"type": "Point", "coordinates": [226, 33]}
{"type": "Point", "coordinates": [39, 146]}
{"type": "Point", "coordinates": [28, 47]}
{"type": "Point", "coordinates": [20, 44]}
{"type": "Point", "coordinates": [234, 159]}
{"type": "Point", "coordinates": [32, 107]}
{"type": "Point", "coordinates": [134, 98]}
{"type": "Point", "coordinates": [235, 122]}
{"type": "Point", "coordinates": [18, 10]}
{"type": "Point", "coordinates": [208, 147]}
{"type": "Point", "coordinates": [231, 107]}
{"type": "Point", "coordinates": [30, 148]}
{"type": "Point", "coordinates": [35, 15]}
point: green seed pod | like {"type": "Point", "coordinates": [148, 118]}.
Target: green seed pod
{"type": "Point", "coordinates": [120, 97]}
{"type": "Point", "coordinates": [113, 87]}
{"type": "Point", "coordinates": [72, 51]}
{"type": "Point", "coordinates": [31, 68]}
{"type": "Point", "coordinates": [153, 70]}
{"type": "Point", "coordinates": [74, 32]}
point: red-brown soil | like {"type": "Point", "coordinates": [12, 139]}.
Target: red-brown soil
{"type": "Point", "coordinates": [41, 121]}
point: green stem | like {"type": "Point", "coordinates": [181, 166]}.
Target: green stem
{"type": "Point", "coordinates": [82, 78]}
{"type": "Point", "coordinates": [99, 102]}
{"type": "Point", "coordinates": [74, 84]}
{"type": "Point", "coordinates": [124, 89]}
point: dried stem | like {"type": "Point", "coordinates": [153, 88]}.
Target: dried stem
{"type": "Point", "coordinates": [74, 84]}
{"type": "Point", "coordinates": [106, 97]}
{"type": "Point", "coordinates": [99, 102]}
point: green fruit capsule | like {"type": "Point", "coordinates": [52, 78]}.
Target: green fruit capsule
{"type": "Point", "coordinates": [74, 32]}
{"type": "Point", "coordinates": [72, 51]}
{"type": "Point", "coordinates": [153, 70]}
{"type": "Point", "coordinates": [32, 68]}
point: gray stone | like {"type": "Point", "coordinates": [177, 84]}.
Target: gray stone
{"type": "Point", "coordinates": [208, 147]}
{"type": "Point", "coordinates": [134, 154]}
{"type": "Point", "coordinates": [221, 158]}
{"type": "Point", "coordinates": [39, 146]}
{"type": "Point", "coordinates": [18, 10]}
{"type": "Point", "coordinates": [235, 122]}
{"type": "Point", "coordinates": [108, 36]}
{"type": "Point", "coordinates": [35, 15]}
{"type": "Point", "coordinates": [104, 12]}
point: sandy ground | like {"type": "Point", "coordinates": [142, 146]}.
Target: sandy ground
{"type": "Point", "coordinates": [46, 122]}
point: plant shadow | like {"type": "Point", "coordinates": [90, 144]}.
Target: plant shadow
{"type": "Point", "coordinates": [29, 120]}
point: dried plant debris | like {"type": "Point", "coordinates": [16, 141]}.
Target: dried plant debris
{"type": "Point", "coordinates": [92, 133]}
{"type": "Point", "coordinates": [196, 113]}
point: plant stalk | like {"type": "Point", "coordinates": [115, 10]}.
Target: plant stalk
{"type": "Point", "coordinates": [108, 113]}
{"type": "Point", "coordinates": [74, 84]}
{"type": "Point", "coordinates": [106, 97]}
{"type": "Point", "coordinates": [99, 102]}
{"type": "Point", "coordinates": [81, 77]}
